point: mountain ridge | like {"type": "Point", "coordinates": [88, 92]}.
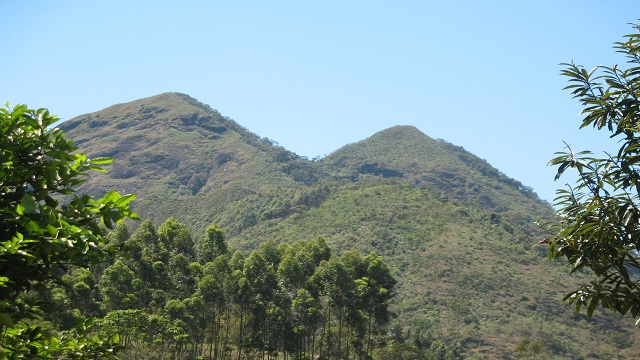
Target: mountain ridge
{"type": "Point", "coordinates": [182, 112]}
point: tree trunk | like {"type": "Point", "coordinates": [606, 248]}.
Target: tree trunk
{"type": "Point", "coordinates": [369, 332]}
{"type": "Point", "coordinates": [240, 334]}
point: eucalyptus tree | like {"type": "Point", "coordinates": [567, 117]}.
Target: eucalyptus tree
{"type": "Point", "coordinates": [116, 286]}
{"type": "Point", "coordinates": [82, 291]}
{"type": "Point", "coordinates": [263, 281]}
{"type": "Point", "coordinates": [243, 297]}
{"type": "Point", "coordinates": [180, 276]}
{"type": "Point", "coordinates": [375, 290]}
{"type": "Point", "coordinates": [273, 251]}
{"type": "Point", "coordinates": [306, 320]}
{"type": "Point", "coordinates": [334, 285]}
{"type": "Point", "coordinates": [211, 294]}
{"type": "Point", "coordinates": [212, 244]}
{"type": "Point", "coordinates": [145, 237]}
{"type": "Point", "coordinates": [175, 237]}
{"type": "Point", "coordinates": [119, 235]}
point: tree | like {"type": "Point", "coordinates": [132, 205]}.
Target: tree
{"type": "Point", "coordinates": [117, 287]}
{"type": "Point", "coordinates": [175, 237]}
{"type": "Point", "coordinates": [38, 235]}
{"type": "Point", "coordinates": [375, 291]}
{"type": "Point", "coordinates": [212, 244]}
{"type": "Point", "coordinates": [307, 318]}
{"type": "Point", "coordinates": [599, 217]}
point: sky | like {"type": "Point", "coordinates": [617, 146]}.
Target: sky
{"type": "Point", "coordinates": [317, 75]}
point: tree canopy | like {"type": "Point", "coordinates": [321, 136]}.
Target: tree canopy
{"type": "Point", "coordinates": [599, 217]}
{"type": "Point", "coordinates": [40, 235]}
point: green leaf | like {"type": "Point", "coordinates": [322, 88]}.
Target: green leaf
{"type": "Point", "coordinates": [28, 203]}
{"type": "Point", "coordinates": [33, 227]}
{"type": "Point", "coordinates": [125, 199]}
{"type": "Point", "coordinates": [98, 169]}
{"type": "Point", "coordinates": [6, 320]}
{"type": "Point", "coordinates": [101, 161]}
{"type": "Point", "coordinates": [592, 307]}
{"type": "Point", "coordinates": [111, 196]}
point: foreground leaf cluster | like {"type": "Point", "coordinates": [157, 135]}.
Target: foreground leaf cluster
{"type": "Point", "coordinates": [599, 227]}
{"type": "Point", "coordinates": [39, 237]}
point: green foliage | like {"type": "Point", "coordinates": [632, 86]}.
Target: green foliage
{"type": "Point", "coordinates": [279, 298]}
{"type": "Point", "coordinates": [175, 237]}
{"type": "Point", "coordinates": [39, 238]}
{"type": "Point", "coordinates": [136, 328]}
{"type": "Point", "coordinates": [117, 287]}
{"type": "Point", "coordinates": [31, 342]}
{"type": "Point", "coordinates": [212, 244]}
{"type": "Point", "coordinates": [599, 217]}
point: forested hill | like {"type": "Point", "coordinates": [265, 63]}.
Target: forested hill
{"type": "Point", "coordinates": [457, 233]}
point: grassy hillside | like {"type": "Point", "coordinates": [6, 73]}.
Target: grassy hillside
{"type": "Point", "coordinates": [181, 158]}
{"type": "Point", "coordinates": [406, 154]}
{"type": "Point", "coordinates": [458, 234]}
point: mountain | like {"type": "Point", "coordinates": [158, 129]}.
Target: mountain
{"type": "Point", "coordinates": [405, 153]}
{"type": "Point", "coordinates": [458, 234]}
{"type": "Point", "coordinates": [182, 158]}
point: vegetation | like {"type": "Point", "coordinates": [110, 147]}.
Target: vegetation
{"type": "Point", "coordinates": [279, 301]}
{"type": "Point", "coordinates": [182, 158]}
{"type": "Point", "coordinates": [599, 217]}
{"type": "Point", "coordinates": [39, 239]}
{"type": "Point", "coordinates": [457, 235]}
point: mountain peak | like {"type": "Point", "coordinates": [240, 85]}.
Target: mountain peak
{"type": "Point", "coordinates": [402, 130]}
{"type": "Point", "coordinates": [406, 153]}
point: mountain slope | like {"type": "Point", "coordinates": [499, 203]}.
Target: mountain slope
{"type": "Point", "coordinates": [181, 157]}
{"type": "Point", "coordinates": [405, 153]}
{"type": "Point", "coordinates": [458, 234]}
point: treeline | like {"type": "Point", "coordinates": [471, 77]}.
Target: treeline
{"type": "Point", "coordinates": [173, 297]}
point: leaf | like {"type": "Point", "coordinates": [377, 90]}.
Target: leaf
{"type": "Point", "coordinates": [592, 307]}
{"type": "Point", "coordinates": [33, 227]}
{"type": "Point", "coordinates": [125, 199]}
{"type": "Point", "coordinates": [98, 169]}
{"type": "Point", "coordinates": [101, 161]}
{"type": "Point", "coordinates": [111, 196]}
{"type": "Point", "coordinates": [28, 203]}
{"type": "Point", "coordinates": [6, 320]}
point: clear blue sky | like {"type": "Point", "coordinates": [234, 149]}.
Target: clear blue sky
{"type": "Point", "coordinates": [317, 75]}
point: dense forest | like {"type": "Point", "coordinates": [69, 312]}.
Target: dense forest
{"type": "Point", "coordinates": [173, 297]}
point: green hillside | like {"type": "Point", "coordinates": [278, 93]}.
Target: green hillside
{"type": "Point", "coordinates": [181, 158]}
{"type": "Point", "coordinates": [405, 153]}
{"type": "Point", "coordinates": [457, 233]}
